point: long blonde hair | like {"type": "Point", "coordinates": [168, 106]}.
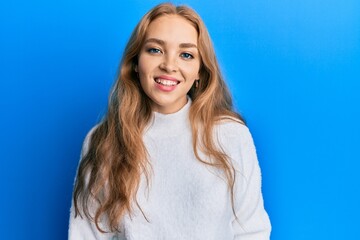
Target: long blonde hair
{"type": "Point", "coordinates": [110, 170]}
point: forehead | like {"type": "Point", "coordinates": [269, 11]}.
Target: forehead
{"type": "Point", "coordinates": [172, 28]}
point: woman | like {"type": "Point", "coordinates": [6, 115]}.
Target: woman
{"type": "Point", "coordinates": [170, 160]}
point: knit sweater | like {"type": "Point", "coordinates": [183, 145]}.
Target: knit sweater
{"type": "Point", "coordinates": [187, 199]}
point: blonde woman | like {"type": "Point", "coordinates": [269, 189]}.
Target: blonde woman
{"type": "Point", "coordinates": [170, 159]}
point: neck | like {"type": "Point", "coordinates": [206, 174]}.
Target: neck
{"type": "Point", "coordinates": [166, 125]}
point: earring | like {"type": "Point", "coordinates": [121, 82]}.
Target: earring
{"type": "Point", "coordinates": [136, 71]}
{"type": "Point", "coordinates": [197, 83]}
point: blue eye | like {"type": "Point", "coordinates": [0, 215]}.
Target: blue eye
{"type": "Point", "coordinates": [187, 56]}
{"type": "Point", "coordinates": [154, 50]}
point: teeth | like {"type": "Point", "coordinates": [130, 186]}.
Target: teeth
{"type": "Point", "coordinates": [165, 82]}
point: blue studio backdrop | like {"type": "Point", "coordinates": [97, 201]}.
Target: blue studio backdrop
{"type": "Point", "coordinates": [293, 68]}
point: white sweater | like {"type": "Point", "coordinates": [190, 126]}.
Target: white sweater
{"type": "Point", "coordinates": [188, 200]}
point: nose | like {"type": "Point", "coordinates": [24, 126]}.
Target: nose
{"type": "Point", "coordinates": [169, 64]}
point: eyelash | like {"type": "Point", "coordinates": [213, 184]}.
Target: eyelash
{"type": "Point", "coordinates": [189, 56]}
{"type": "Point", "coordinates": [153, 50]}
{"type": "Point", "coordinates": [184, 55]}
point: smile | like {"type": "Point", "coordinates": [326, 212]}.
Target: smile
{"type": "Point", "coordinates": [166, 82]}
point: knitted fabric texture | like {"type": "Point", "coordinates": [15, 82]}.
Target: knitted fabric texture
{"type": "Point", "coordinates": [187, 199]}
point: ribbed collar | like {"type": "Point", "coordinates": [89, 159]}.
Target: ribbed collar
{"type": "Point", "coordinates": [169, 125]}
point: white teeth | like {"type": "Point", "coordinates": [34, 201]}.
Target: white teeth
{"type": "Point", "coordinates": [165, 82]}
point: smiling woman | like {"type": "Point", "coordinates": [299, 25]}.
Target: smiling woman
{"type": "Point", "coordinates": [169, 62]}
{"type": "Point", "coordinates": [170, 159]}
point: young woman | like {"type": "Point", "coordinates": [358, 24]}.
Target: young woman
{"type": "Point", "coordinates": [171, 159]}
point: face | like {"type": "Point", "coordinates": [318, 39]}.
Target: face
{"type": "Point", "coordinates": [169, 62]}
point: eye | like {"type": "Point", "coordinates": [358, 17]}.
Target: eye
{"type": "Point", "coordinates": [153, 50]}
{"type": "Point", "coordinates": [186, 55]}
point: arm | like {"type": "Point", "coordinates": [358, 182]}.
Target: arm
{"type": "Point", "coordinates": [252, 221]}
{"type": "Point", "coordinates": [80, 227]}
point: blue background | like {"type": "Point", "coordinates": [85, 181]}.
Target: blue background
{"type": "Point", "coordinates": [293, 68]}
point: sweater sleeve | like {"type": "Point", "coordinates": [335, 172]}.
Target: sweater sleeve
{"type": "Point", "coordinates": [252, 222]}
{"type": "Point", "coordinates": [80, 227]}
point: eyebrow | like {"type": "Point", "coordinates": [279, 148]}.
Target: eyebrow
{"type": "Point", "coordinates": [161, 42]}
{"type": "Point", "coordinates": [187, 45]}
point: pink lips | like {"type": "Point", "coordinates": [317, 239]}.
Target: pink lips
{"type": "Point", "coordinates": [168, 78]}
{"type": "Point", "coordinates": [166, 88]}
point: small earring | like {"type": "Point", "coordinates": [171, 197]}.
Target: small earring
{"type": "Point", "coordinates": [197, 83]}
{"type": "Point", "coordinates": [136, 71]}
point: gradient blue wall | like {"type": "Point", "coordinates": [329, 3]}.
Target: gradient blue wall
{"type": "Point", "coordinates": [293, 68]}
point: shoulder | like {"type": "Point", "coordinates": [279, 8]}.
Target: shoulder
{"type": "Point", "coordinates": [235, 139]}
{"type": "Point", "coordinates": [232, 129]}
{"type": "Point", "coordinates": [87, 140]}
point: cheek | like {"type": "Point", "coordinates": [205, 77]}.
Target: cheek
{"type": "Point", "coordinates": [147, 65]}
{"type": "Point", "coordinates": [142, 71]}
{"type": "Point", "coordinates": [192, 70]}
{"type": "Point", "coordinates": [141, 65]}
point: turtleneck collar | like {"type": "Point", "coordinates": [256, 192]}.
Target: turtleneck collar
{"type": "Point", "coordinates": [167, 125]}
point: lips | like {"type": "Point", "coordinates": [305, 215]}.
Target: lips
{"type": "Point", "coordinates": [166, 83]}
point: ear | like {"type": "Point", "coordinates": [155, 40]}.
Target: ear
{"type": "Point", "coordinates": [197, 83]}
{"type": "Point", "coordinates": [136, 68]}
